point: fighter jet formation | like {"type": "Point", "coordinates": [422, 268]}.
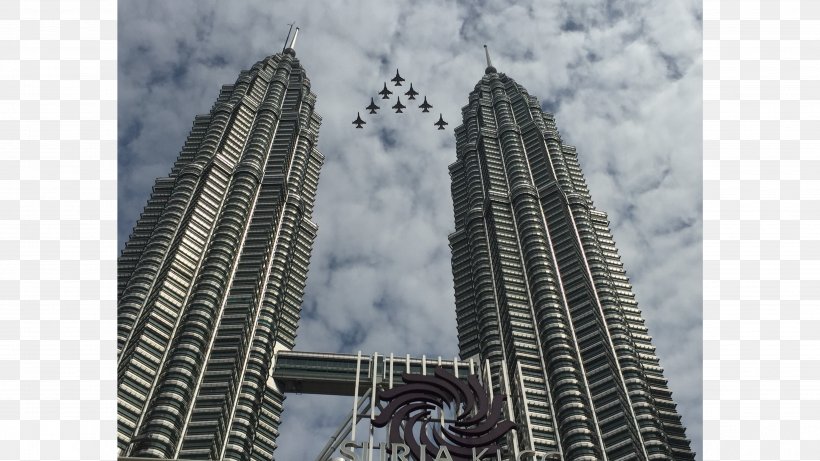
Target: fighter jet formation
{"type": "Point", "coordinates": [440, 124]}
{"type": "Point", "coordinates": [397, 78]}
{"type": "Point", "coordinates": [372, 107]}
{"type": "Point", "coordinates": [425, 107]}
{"type": "Point", "coordinates": [385, 92]}
{"type": "Point", "coordinates": [398, 106]}
{"type": "Point", "coordinates": [411, 92]}
{"type": "Point", "coordinates": [359, 122]}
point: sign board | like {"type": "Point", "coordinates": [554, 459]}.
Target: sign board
{"type": "Point", "coordinates": [437, 417]}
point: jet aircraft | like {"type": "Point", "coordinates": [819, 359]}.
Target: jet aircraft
{"type": "Point", "coordinates": [411, 92]}
{"type": "Point", "coordinates": [425, 106]}
{"type": "Point", "coordinates": [397, 78]}
{"type": "Point", "coordinates": [398, 106]}
{"type": "Point", "coordinates": [385, 92]}
{"type": "Point", "coordinates": [359, 122]}
{"type": "Point", "coordinates": [372, 107]}
{"type": "Point", "coordinates": [440, 124]}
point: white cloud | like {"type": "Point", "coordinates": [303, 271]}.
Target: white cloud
{"type": "Point", "coordinates": [623, 80]}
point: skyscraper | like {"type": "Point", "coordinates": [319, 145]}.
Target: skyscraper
{"type": "Point", "coordinates": [541, 294]}
{"type": "Point", "coordinates": [212, 278]}
{"type": "Point", "coordinates": [210, 283]}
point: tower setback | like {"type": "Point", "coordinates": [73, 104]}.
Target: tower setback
{"type": "Point", "coordinates": [541, 294]}
{"type": "Point", "coordinates": [210, 283]}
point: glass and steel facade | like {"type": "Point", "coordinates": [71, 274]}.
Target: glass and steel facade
{"type": "Point", "coordinates": [541, 294]}
{"type": "Point", "coordinates": [210, 286]}
{"type": "Point", "coordinates": [212, 278]}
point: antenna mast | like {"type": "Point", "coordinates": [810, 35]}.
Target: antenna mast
{"type": "Point", "coordinates": [293, 40]}
{"type": "Point", "coordinates": [288, 37]}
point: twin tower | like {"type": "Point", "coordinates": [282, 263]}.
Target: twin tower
{"type": "Point", "coordinates": [211, 281]}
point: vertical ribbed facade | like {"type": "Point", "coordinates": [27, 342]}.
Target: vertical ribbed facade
{"type": "Point", "coordinates": [211, 281]}
{"type": "Point", "coordinates": [541, 294]}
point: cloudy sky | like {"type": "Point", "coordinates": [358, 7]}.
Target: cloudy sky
{"type": "Point", "coordinates": [623, 78]}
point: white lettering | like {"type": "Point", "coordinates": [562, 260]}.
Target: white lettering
{"type": "Point", "coordinates": [443, 449]}
{"type": "Point", "coordinates": [478, 457]}
{"type": "Point", "coordinates": [537, 456]}
{"type": "Point", "coordinates": [400, 456]}
{"type": "Point", "coordinates": [347, 451]}
{"type": "Point", "coordinates": [527, 452]}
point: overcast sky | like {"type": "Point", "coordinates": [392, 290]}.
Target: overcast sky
{"type": "Point", "coordinates": [622, 77]}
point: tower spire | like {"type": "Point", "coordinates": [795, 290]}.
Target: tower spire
{"type": "Point", "coordinates": [291, 49]}
{"type": "Point", "coordinates": [490, 69]}
{"type": "Point", "coordinates": [287, 39]}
